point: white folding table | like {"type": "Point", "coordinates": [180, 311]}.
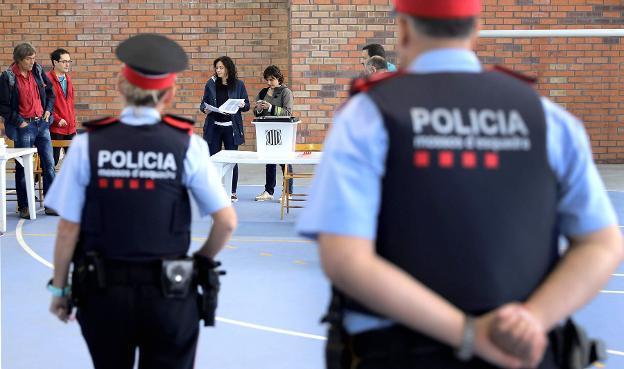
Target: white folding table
{"type": "Point", "coordinates": [24, 156]}
{"type": "Point", "coordinates": [225, 160]}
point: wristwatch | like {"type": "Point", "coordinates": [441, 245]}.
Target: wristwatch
{"type": "Point", "coordinates": [466, 349]}
{"type": "Point", "coordinates": [58, 292]}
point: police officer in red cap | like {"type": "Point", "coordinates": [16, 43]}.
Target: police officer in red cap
{"type": "Point", "coordinates": [123, 198]}
{"type": "Point", "coordinates": [438, 207]}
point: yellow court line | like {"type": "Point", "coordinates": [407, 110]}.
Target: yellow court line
{"type": "Point", "coordinates": [266, 254]}
{"type": "Point", "coordinates": [246, 240]}
{"type": "Point", "coordinates": [39, 234]}
{"type": "Point", "coordinates": [258, 240]}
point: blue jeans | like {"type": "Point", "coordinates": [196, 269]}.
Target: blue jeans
{"type": "Point", "coordinates": [36, 133]}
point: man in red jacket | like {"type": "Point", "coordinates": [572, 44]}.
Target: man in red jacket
{"type": "Point", "coordinates": [64, 125]}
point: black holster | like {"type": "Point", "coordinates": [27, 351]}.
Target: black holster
{"type": "Point", "coordinates": [87, 275]}
{"type": "Point", "coordinates": [176, 278]}
{"type": "Point", "coordinates": [338, 352]}
{"type": "Point", "coordinates": [207, 277]}
{"type": "Point", "coordinates": [573, 349]}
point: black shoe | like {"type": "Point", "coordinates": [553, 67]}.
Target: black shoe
{"type": "Point", "coordinates": [49, 211]}
{"type": "Point", "coordinates": [24, 213]}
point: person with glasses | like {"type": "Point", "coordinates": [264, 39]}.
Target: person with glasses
{"type": "Point", "coordinates": [63, 126]}
{"type": "Point", "coordinates": [27, 103]}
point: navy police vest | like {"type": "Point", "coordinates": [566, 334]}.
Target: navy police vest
{"type": "Point", "coordinates": [468, 197]}
{"type": "Point", "coordinates": [136, 207]}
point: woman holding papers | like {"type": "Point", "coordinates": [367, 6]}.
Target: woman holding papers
{"type": "Point", "coordinates": [276, 99]}
{"type": "Point", "coordinates": [224, 128]}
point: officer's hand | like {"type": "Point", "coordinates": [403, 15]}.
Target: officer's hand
{"type": "Point", "coordinates": [241, 104]}
{"type": "Point", "coordinates": [517, 332]}
{"type": "Point", "coordinates": [62, 123]}
{"type": "Point", "coordinates": [46, 115]}
{"type": "Point", "coordinates": [59, 308]}
{"type": "Point", "coordinates": [24, 124]}
{"type": "Point", "coordinates": [487, 349]}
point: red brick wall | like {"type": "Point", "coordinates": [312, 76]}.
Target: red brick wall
{"type": "Point", "coordinates": [254, 34]}
{"type": "Point", "coordinates": [327, 39]}
{"type": "Point", "coordinates": [584, 74]}
{"type": "Point", "coordinates": [317, 44]}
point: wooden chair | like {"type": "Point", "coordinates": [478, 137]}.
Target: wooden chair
{"type": "Point", "coordinates": [296, 197]}
{"type": "Point", "coordinates": [37, 172]}
{"type": "Point", "coordinates": [64, 144]}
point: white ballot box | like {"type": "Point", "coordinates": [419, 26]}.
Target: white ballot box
{"type": "Point", "coordinates": [276, 136]}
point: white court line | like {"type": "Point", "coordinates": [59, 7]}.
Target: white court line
{"type": "Point", "coordinates": [613, 352]}
{"type": "Point", "coordinates": [613, 292]}
{"type": "Point", "coordinates": [24, 245]}
{"type": "Point", "coordinates": [618, 275]}
{"type": "Point", "coordinates": [269, 329]}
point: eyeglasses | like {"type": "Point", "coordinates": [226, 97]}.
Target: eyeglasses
{"type": "Point", "coordinates": [66, 61]}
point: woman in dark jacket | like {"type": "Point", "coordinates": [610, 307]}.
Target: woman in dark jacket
{"type": "Point", "coordinates": [276, 100]}
{"type": "Point", "coordinates": [224, 129]}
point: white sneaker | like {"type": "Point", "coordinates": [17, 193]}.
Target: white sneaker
{"type": "Point", "coordinates": [264, 196]}
{"type": "Point", "coordinates": [282, 195]}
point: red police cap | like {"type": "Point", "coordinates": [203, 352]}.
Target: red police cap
{"type": "Point", "coordinates": [442, 9]}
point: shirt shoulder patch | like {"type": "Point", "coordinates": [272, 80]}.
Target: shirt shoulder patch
{"type": "Point", "coordinates": [99, 123]}
{"type": "Point", "coordinates": [364, 84]}
{"type": "Point", "coordinates": [180, 123]}
{"type": "Point", "coordinates": [512, 73]}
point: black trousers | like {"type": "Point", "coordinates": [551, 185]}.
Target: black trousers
{"type": "Point", "coordinates": [399, 348]}
{"type": "Point", "coordinates": [56, 151]}
{"type": "Point", "coordinates": [269, 186]}
{"type": "Point", "coordinates": [224, 135]}
{"type": "Point", "coordinates": [120, 319]}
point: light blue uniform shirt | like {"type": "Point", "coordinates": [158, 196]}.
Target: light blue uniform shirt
{"type": "Point", "coordinates": [67, 193]}
{"type": "Point", "coordinates": [346, 191]}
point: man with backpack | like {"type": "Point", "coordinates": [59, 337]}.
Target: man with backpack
{"type": "Point", "coordinates": [26, 104]}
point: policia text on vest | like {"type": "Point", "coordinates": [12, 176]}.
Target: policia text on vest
{"type": "Point", "coordinates": [474, 129]}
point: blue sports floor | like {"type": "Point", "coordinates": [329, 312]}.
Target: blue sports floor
{"type": "Point", "coordinates": [269, 308]}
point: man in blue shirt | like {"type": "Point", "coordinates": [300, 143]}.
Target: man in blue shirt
{"type": "Point", "coordinates": [123, 198]}
{"type": "Point", "coordinates": [439, 202]}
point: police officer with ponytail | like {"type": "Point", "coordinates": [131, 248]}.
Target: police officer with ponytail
{"type": "Point", "coordinates": [123, 198]}
{"type": "Point", "coordinates": [441, 196]}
